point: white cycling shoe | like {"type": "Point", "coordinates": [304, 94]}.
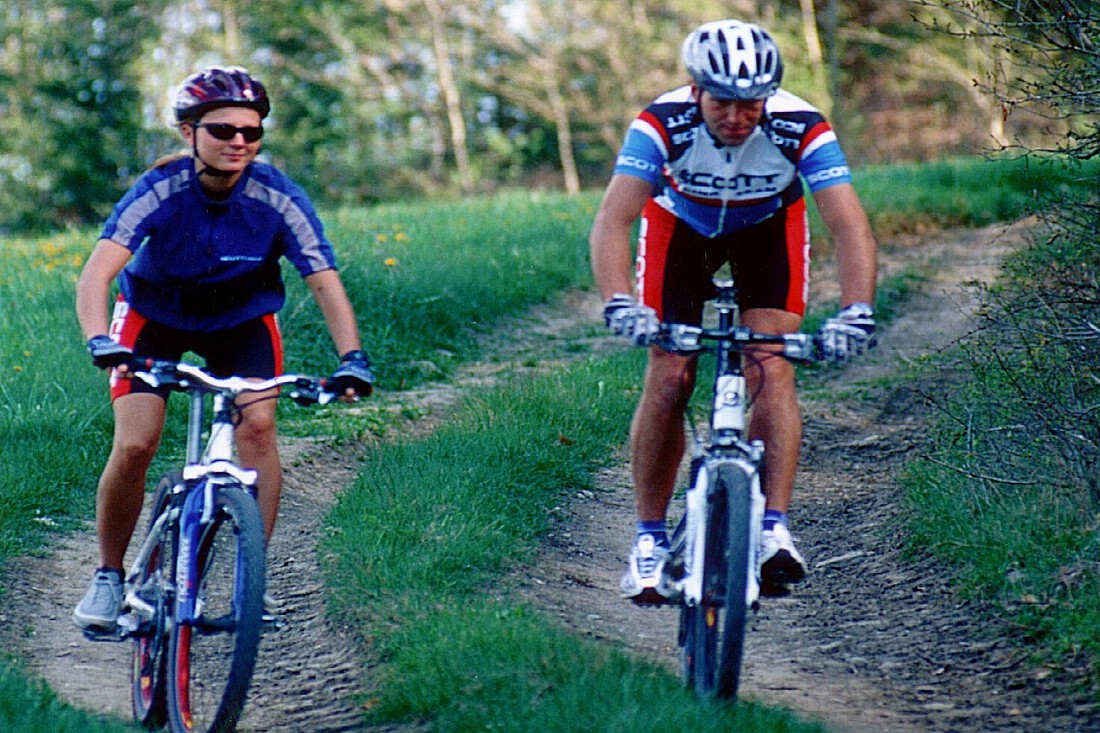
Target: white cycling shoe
{"type": "Point", "coordinates": [780, 563]}
{"type": "Point", "coordinates": [645, 581]}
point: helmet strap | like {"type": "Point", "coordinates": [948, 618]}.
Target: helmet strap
{"type": "Point", "coordinates": [207, 169]}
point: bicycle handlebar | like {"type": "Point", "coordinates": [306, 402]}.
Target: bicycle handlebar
{"type": "Point", "coordinates": [800, 347]}
{"type": "Point", "coordinates": [183, 377]}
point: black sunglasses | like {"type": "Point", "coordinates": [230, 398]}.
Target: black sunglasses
{"type": "Point", "coordinates": [223, 131]}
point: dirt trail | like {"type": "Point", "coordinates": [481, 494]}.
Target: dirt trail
{"type": "Point", "coordinates": [871, 642]}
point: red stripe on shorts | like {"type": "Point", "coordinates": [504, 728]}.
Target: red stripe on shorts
{"type": "Point", "coordinates": [798, 255]}
{"type": "Point", "coordinates": [126, 324]}
{"type": "Point", "coordinates": [653, 240]}
{"type": "Point", "coordinates": [272, 324]}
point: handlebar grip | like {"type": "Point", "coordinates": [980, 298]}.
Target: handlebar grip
{"type": "Point", "coordinates": [311, 391]}
{"type": "Point", "coordinates": [806, 350]}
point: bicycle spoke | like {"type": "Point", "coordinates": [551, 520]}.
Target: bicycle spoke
{"type": "Point", "coordinates": [150, 649]}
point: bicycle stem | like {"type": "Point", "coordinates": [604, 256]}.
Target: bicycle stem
{"type": "Point", "coordinates": [194, 427]}
{"type": "Point", "coordinates": [730, 389]}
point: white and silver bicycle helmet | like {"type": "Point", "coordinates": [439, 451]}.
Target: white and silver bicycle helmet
{"type": "Point", "coordinates": [733, 60]}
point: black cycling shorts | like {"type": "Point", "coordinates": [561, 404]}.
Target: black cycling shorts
{"type": "Point", "coordinates": [769, 260]}
{"type": "Point", "coordinates": [252, 349]}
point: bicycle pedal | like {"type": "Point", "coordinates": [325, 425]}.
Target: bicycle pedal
{"type": "Point", "coordinates": [650, 598]}
{"type": "Point", "coordinates": [95, 634]}
{"type": "Point", "coordinates": [272, 622]}
{"type": "Point", "coordinates": [774, 590]}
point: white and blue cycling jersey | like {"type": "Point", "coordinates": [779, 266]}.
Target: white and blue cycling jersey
{"type": "Point", "coordinates": [717, 189]}
{"type": "Point", "coordinates": [202, 264]}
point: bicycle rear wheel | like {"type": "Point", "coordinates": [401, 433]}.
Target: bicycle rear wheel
{"type": "Point", "coordinates": [712, 633]}
{"type": "Point", "coordinates": [212, 659]}
{"type": "Point", "coordinates": [150, 652]}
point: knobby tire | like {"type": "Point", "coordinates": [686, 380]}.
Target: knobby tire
{"type": "Point", "coordinates": [149, 693]}
{"type": "Point", "coordinates": [713, 632]}
{"type": "Point", "coordinates": [211, 662]}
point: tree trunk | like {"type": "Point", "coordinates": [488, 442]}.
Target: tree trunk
{"type": "Point", "coordinates": [452, 99]}
{"type": "Point", "coordinates": [570, 178]}
{"type": "Point", "coordinates": [232, 34]}
{"type": "Point", "coordinates": [814, 55]}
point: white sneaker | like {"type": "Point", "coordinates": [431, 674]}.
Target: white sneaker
{"type": "Point", "coordinates": [644, 582]}
{"type": "Point", "coordinates": [101, 605]}
{"type": "Point", "coordinates": [780, 563]}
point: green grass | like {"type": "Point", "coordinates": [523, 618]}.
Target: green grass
{"type": "Point", "coordinates": [423, 277]}
{"type": "Point", "coordinates": [499, 667]}
{"type": "Point", "coordinates": [964, 192]}
{"type": "Point", "coordinates": [30, 707]}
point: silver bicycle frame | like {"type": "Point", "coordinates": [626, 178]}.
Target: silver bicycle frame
{"type": "Point", "coordinates": [727, 428]}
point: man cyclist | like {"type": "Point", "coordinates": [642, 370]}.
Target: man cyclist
{"type": "Point", "coordinates": [195, 246]}
{"type": "Point", "coordinates": [714, 171]}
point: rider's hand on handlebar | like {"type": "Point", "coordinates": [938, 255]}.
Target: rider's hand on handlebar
{"type": "Point", "coordinates": [630, 319]}
{"type": "Point", "coordinates": [107, 353]}
{"type": "Point", "coordinates": [849, 333]}
{"type": "Point", "coordinates": [353, 378]}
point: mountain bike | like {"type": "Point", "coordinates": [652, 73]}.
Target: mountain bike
{"type": "Point", "coordinates": [193, 595]}
{"type": "Point", "coordinates": [713, 567]}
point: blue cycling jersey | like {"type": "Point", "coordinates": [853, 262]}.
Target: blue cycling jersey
{"type": "Point", "coordinates": [202, 264]}
{"type": "Point", "coordinates": [718, 189]}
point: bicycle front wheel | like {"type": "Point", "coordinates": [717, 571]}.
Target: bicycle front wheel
{"type": "Point", "coordinates": [150, 651]}
{"type": "Point", "coordinates": [212, 658]}
{"type": "Point", "coordinates": [712, 632]}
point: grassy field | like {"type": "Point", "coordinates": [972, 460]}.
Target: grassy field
{"type": "Point", "coordinates": [423, 277]}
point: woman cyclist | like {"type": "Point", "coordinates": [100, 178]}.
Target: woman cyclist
{"type": "Point", "coordinates": [195, 247]}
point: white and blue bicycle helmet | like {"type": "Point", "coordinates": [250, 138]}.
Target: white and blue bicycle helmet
{"type": "Point", "coordinates": [733, 60]}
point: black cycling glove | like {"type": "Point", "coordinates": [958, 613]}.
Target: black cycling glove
{"type": "Point", "coordinates": [107, 353]}
{"type": "Point", "coordinates": [354, 372]}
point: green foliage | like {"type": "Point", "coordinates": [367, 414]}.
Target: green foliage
{"type": "Point", "coordinates": [70, 109]}
{"type": "Point", "coordinates": [335, 140]}
{"type": "Point", "coordinates": [51, 415]}
{"type": "Point", "coordinates": [476, 493]}
{"type": "Point", "coordinates": [1054, 41]}
{"type": "Point", "coordinates": [361, 115]}
{"type": "Point", "coordinates": [1010, 493]}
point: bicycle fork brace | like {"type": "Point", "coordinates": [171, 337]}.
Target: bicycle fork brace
{"type": "Point", "coordinates": [695, 531]}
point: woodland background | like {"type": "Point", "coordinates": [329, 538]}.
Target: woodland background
{"type": "Point", "coordinates": [377, 100]}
